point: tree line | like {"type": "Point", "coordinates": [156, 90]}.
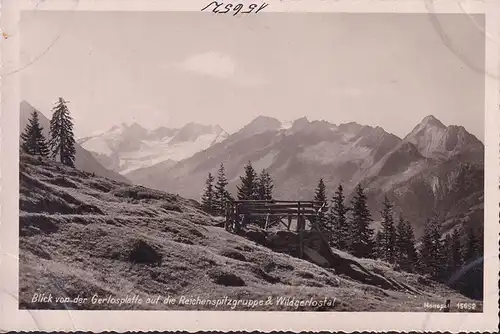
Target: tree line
{"type": "Point", "coordinates": [348, 227]}
{"type": "Point", "coordinates": [253, 185]}
{"type": "Point", "coordinates": [60, 145]}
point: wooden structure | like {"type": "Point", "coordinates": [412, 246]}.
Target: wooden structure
{"type": "Point", "coordinates": [242, 212]}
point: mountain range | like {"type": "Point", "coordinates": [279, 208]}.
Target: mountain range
{"type": "Point", "coordinates": [125, 148]}
{"type": "Point", "coordinates": [84, 159]}
{"type": "Point", "coordinates": [434, 170]}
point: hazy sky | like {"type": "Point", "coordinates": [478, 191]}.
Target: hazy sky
{"type": "Point", "coordinates": [168, 69]}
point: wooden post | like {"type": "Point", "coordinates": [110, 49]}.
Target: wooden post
{"type": "Point", "coordinates": [289, 222]}
{"type": "Point", "coordinates": [300, 226]}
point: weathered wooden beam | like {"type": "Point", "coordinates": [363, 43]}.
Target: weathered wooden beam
{"type": "Point", "coordinates": [277, 212]}
{"type": "Point", "coordinates": [276, 202]}
{"type": "Point", "coordinates": [272, 205]}
{"type": "Point", "coordinates": [283, 211]}
{"type": "Point", "coordinates": [263, 214]}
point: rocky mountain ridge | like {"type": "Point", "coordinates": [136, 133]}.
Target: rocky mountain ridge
{"type": "Point", "coordinates": [125, 148]}
{"type": "Point", "coordinates": [418, 171]}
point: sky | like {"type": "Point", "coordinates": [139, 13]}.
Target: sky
{"type": "Point", "coordinates": [171, 68]}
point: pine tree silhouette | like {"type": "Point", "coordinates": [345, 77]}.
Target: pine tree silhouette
{"type": "Point", "coordinates": [222, 196]}
{"type": "Point", "coordinates": [387, 239]}
{"type": "Point", "coordinates": [405, 246]}
{"type": "Point", "coordinates": [456, 248]}
{"type": "Point", "coordinates": [62, 139]}
{"type": "Point", "coordinates": [320, 196]}
{"type": "Point", "coordinates": [431, 252]}
{"type": "Point", "coordinates": [208, 199]}
{"type": "Point", "coordinates": [247, 190]}
{"type": "Point", "coordinates": [34, 141]}
{"type": "Point", "coordinates": [265, 186]}
{"type": "Point", "coordinates": [338, 220]}
{"type": "Point", "coordinates": [471, 249]}
{"type": "Point", "coordinates": [362, 235]}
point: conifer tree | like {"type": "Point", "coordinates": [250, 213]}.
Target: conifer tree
{"type": "Point", "coordinates": [33, 140]}
{"type": "Point", "coordinates": [407, 256]}
{"type": "Point", "coordinates": [222, 196]}
{"type": "Point", "coordinates": [471, 249]}
{"type": "Point", "coordinates": [456, 250]}
{"type": "Point", "coordinates": [431, 252]}
{"type": "Point", "coordinates": [320, 196]}
{"type": "Point", "coordinates": [247, 190]}
{"type": "Point", "coordinates": [362, 244]}
{"type": "Point", "coordinates": [447, 265]}
{"type": "Point", "coordinates": [378, 248]}
{"type": "Point", "coordinates": [265, 186]}
{"type": "Point", "coordinates": [208, 201]}
{"type": "Point", "coordinates": [338, 220]}
{"type": "Point", "coordinates": [62, 140]}
{"type": "Point", "coordinates": [387, 246]}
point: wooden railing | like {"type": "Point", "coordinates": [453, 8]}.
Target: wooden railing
{"type": "Point", "coordinates": [239, 213]}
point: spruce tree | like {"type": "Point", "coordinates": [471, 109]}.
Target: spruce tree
{"type": "Point", "coordinates": [387, 246]}
{"type": "Point", "coordinates": [247, 190]}
{"type": "Point", "coordinates": [362, 244]}
{"type": "Point", "coordinates": [378, 248]}
{"type": "Point", "coordinates": [265, 186]}
{"type": "Point", "coordinates": [456, 248]}
{"type": "Point", "coordinates": [407, 256]}
{"type": "Point", "coordinates": [62, 140]}
{"type": "Point", "coordinates": [338, 220]}
{"type": "Point", "coordinates": [222, 196]}
{"type": "Point", "coordinates": [447, 260]}
{"type": "Point", "coordinates": [431, 249]}
{"type": "Point", "coordinates": [471, 247]}
{"type": "Point", "coordinates": [320, 196]}
{"type": "Point", "coordinates": [33, 140]}
{"type": "Point", "coordinates": [208, 201]}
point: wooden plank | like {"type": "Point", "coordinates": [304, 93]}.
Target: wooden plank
{"type": "Point", "coordinates": [301, 233]}
{"type": "Point", "coordinates": [270, 209]}
{"type": "Point", "coordinates": [272, 205]}
{"type": "Point", "coordinates": [276, 202]}
{"type": "Point", "coordinates": [263, 214]}
{"type": "Point", "coordinates": [277, 212]}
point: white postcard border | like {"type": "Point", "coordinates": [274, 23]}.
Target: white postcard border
{"type": "Point", "coordinates": [13, 319]}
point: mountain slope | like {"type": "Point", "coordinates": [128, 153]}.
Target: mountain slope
{"type": "Point", "coordinates": [296, 157]}
{"type": "Point", "coordinates": [84, 160]}
{"type": "Point", "coordinates": [83, 235]}
{"type": "Point", "coordinates": [125, 148]}
{"type": "Point", "coordinates": [420, 172]}
{"type": "Point", "coordinates": [425, 176]}
{"type": "Point", "coordinates": [435, 140]}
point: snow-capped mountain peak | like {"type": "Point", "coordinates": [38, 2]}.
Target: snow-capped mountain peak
{"type": "Point", "coordinates": [125, 148]}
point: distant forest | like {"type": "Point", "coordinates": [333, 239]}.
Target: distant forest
{"type": "Point", "coordinates": [454, 259]}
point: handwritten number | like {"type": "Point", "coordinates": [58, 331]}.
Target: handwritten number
{"type": "Point", "coordinates": [228, 7]}
{"type": "Point", "coordinates": [250, 9]}
{"type": "Point", "coordinates": [210, 4]}
{"type": "Point", "coordinates": [264, 5]}
{"type": "Point", "coordinates": [237, 9]}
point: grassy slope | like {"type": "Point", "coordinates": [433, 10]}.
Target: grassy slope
{"type": "Point", "coordinates": [82, 235]}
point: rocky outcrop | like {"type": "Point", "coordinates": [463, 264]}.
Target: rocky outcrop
{"type": "Point", "coordinates": [317, 251]}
